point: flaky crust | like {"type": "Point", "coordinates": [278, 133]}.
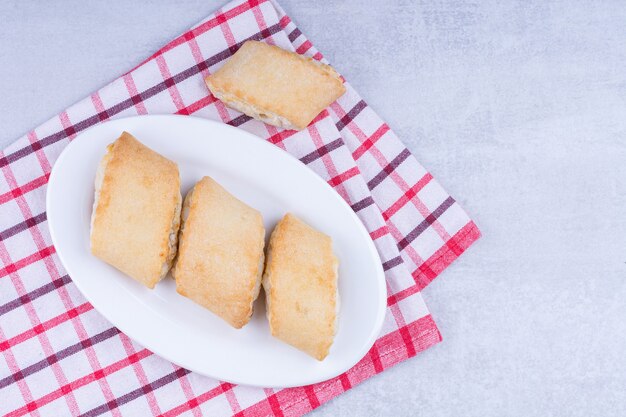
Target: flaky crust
{"type": "Point", "coordinates": [136, 210]}
{"type": "Point", "coordinates": [279, 87]}
{"type": "Point", "coordinates": [300, 283]}
{"type": "Point", "coordinates": [220, 256]}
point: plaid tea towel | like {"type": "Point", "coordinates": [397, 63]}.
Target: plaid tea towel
{"type": "Point", "coordinates": [58, 356]}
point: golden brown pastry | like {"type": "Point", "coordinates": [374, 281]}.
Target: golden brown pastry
{"type": "Point", "coordinates": [300, 282]}
{"type": "Point", "coordinates": [220, 257]}
{"type": "Point", "coordinates": [136, 211]}
{"type": "Point", "coordinates": [278, 87]}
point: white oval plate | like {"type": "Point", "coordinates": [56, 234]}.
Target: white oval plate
{"type": "Point", "coordinates": [172, 326]}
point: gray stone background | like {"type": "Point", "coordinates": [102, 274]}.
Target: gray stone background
{"type": "Point", "coordinates": [518, 108]}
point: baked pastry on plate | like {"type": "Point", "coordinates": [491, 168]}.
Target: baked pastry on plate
{"type": "Point", "coordinates": [136, 210]}
{"type": "Point", "coordinates": [300, 282]}
{"type": "Point", "coordinates": [278, 87]}
{"type": "Point", "coordinates": [220, 256]}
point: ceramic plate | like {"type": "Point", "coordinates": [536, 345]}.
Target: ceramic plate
{"type": "Point", "coordinates": [263, 176]}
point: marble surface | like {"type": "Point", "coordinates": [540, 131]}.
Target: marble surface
{"type": "Point", "coordinates": [518, 108]}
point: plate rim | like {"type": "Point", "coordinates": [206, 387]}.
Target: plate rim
{"type": "Point", "coordinates": [381, 279]}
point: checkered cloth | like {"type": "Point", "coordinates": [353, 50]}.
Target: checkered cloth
{"type": "Point", "coordinates": [60, 357]}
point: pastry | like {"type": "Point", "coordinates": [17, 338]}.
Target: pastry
{"type": "Point", "coordinates": [136, 210]}
{"type": "Point", "coordinates": [300, 283]}
{"type": "Point", "coordinates": [278, 87]}
{"type": "Point", "coordinates": [220, 260]}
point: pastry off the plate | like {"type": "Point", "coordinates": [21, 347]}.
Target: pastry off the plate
{"type": "Point", "coordinates": [276, 86]}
